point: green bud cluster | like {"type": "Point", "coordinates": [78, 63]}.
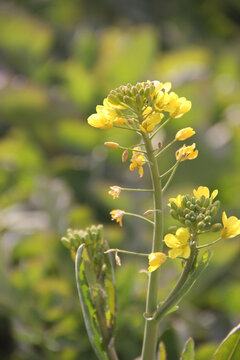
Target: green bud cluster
{"type": "Point", "coordinates": [92, 237]}
{"type": "Point", "coordinates": [196, 214]}
{"type": "Point", "coordinates": [132, 95]}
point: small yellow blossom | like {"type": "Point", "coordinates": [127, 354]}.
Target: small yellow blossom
{"type": "Point", "coordinates": [231, 226]}
{"type": "Point", "coordinates": [178, 243]}
{"type": "Point", "coordinates": [177, 200]}
{"type": "Point", "coordinates": [152, 120]}
{"type": "Point", "coordinates": [155, 260]}
{"type": "Point", "coordinates": [184, 134]}
{"type": "Point", "coordinates": [137, 161]}
{"type": "Point", "coordinates": [106, 117]}
{"type": "Point", "coordinates": [114, 191]}
{"type": "Point", "coordinates": [186, 153]}
{"type": "Point", "coordinates": [117, 215]}
{"type": "Point", "coordinates": [161, 88]}
{"type": "Point", "coordinates": [204, 191]}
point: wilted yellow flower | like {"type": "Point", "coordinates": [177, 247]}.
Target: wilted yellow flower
{"type": "Point", "coordinates": [117, 215]}
{"type": "Point", "coordinates": [204, 191]}
{"type": "Point", "coordinates": [152, 120]}
{"type": "Point", "coordinates": [155, 260]}
{"type": "Point", "coordinates": [137, 161]}
{"type": "Point", "coordinates": [114, 191]}
{"type": "Point", "coordinates": [231, 226]}
{"type": "Point", "coordinates": [178, 243]}
{"type": "Point", "coordinates": [177, 200]}
{"type": "Point", "coordinates": [187, 153]}
{"type": "Point", "coordinates": [184, 134]}
{"type": "Point", "coordinates": [106, 116]}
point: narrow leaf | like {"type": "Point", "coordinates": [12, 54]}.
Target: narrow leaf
{"type": "Point", "coordinates": [188, 352]}
{"type": "Point", "coordinates": [88, 306]}
{"type": "Point", "coordinates": [229, 349]}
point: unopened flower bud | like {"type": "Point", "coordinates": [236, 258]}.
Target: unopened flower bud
{"type": "Point", "coordinates": [201, 226]}
{"type": "Point", "coordinates": [148, 212]}
{"type": "Point", "coordinates": [216, 227]}
{"type": "Point", "coordinates": [111, 145]}
{"type": "Point", "coordinates": [214, 211]}
{"type": "Point", "coordinates": [124, 156]}
{"type": "Point", "coordinates": [173, 214]}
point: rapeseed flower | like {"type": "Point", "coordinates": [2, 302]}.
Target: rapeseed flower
{"type": "Point", "coordinates": [204, 191]}
{"type": "Point", "coordinates": [231, 226]}
{"type": "Point", "coordinates": [117, 215]}
{"type": "Point", "coordinates": [137, 161]}
{"type": "Point", "coordinates": [155, 260]}
{"type": "Point", "coordinates": [114, 191]}
{"type": "Point", "coordinates": [184, 134]}
{"type": "Point", "coordinates": [186, 153]}
{"type": "Point", "coordinates": [106, 116]}
{"type": "Point", "coordinates": [178, 243]}
{"type": "Point", "coordinates": [152, 120]}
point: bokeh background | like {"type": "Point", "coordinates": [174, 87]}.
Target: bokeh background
{"type": "Point", "coordinates": [58, 60]}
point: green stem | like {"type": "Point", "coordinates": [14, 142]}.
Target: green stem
{"type": "Point", "coordinates": [171, 176]}
{"type": "Point", "coordinates": [167, 172]}
{"type": "Point", "coordinates": [166, 147]}
{"type": "Point", "coordinates": [130, 189]}
{"type": "Point", "coordinates": [125, 252]}
{"type": "Point", "coordinates": [212, 243]}
{"type": "Point", "coordinates": [139, 216]}
{"type": "Point", "coordinates": [175, 295]}
{"type": "Point", "coordinates": [151, 327]}
{"type": "Point", "coordinates": [160, 127]}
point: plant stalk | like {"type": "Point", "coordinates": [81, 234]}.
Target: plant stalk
{"type": "Point", "coordinates": [151, 327]}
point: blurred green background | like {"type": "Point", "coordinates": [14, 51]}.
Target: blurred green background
{"type": "Point", "coordinates": [58, 60]}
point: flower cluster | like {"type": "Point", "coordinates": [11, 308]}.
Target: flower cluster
{"type": "Point", "coordinates": [151, 99]}
{"type": "Point", "coordinates": [195, 212]}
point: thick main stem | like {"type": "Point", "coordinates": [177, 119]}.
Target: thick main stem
{"type": "Point", "coordinates": [151, 327]}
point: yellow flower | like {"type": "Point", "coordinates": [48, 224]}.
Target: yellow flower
{"type": "Point", "coordinates": [152, 120]}
{"type": "Point", "coordinates": [184, 134]}
{"type": "Point", "coordinates": [106, 116]}
{"type": "Point", "coordinates": [155, 260]}
{"type": "Point", "coordinates": [204, 191]}
{"type": "Point", "coordinates": [117, 215]}
{"type": "Point", "coordinates": [178, 243]}
{"type": "Point", "coordinates": [161, 88]}
{"type": "Point", "coordinates": [137, 161]}
{"type": "Point", "coordinates": [186, 153]}
{"type": "Point", "coordinates": [114, 191]}
{"type": "Point", "coordinates": [177, 200]}
{"type": "Point", "coordinates": [231, 226]}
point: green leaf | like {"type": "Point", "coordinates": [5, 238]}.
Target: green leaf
{"type": "Point", "coordinates": [229, 349]}
{"type": "Point", "coordinates": [188, 352]}
{"type": "Point", "coordinates": [162, 354]}
{"type": "Point", "coordinates": [88, 306]}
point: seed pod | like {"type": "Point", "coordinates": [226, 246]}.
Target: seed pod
{"type": "Point", "coordinates": [174, 214]}
{"type": "Point", "coordinates": [216, 227]}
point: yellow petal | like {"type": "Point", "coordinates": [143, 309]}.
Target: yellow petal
{"type": "Point", "coordinates": [182, 235]}
{"type": "Point", "coordinates": [172, 241]}
{"type": "Point", "coordinates": [201, 191]}
{"type": "Point", "coordinates": [175, 253]}
{"type": "Point", "coordinates": [186, 251]}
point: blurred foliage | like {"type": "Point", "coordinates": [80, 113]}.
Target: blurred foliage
{"type": "Point", "coordinates": [58, 59]}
